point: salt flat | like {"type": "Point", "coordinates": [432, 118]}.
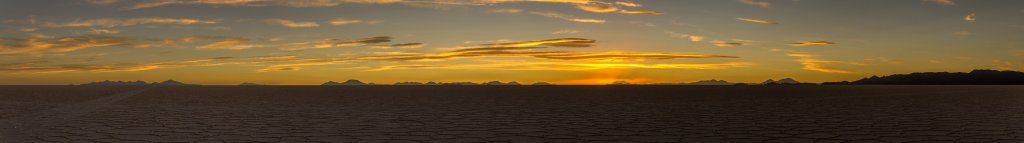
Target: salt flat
{"type": "Point", "coordinates": [512, 114]}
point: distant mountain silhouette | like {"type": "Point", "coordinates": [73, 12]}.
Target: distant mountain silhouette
{"type": "Point", "coordinates": [136, 83]}
{"type": "Point", "coordinates": [711, 82]}
{"type": "Point", "coordinates": [542, 83]}
{"type": "Point", "coordinates": [620, 83]}
{"type": "Point", "coordinates": [346, 83]}
{"type": "Point", "coordinates": [408, 83]}
{"type": "Point", "coordinates": [975, 77]}
{"type": "Point", "coordinates": [460, 83]}
{"type": "Point", "coordinates": [170, 83]}
{"type": "Point", "coordinates": [249, 84]}
{"type": "Point", "coordinates": [784, 81]}
{"type": "Point", "coordinates": [117, 83]}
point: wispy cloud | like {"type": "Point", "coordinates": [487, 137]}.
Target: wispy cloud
{"type": "Point", "coordinates": [692, 38]}
{"type": "Point", "coordinates": [527, 49]}
{"type": "Point", "coordinates": [814, 43]}
{"type": "Point", "coordinates": [230, 44]}
{"type": "Point", "coordinates": [402, 46]}
{"type": "Point", "coordinates": [506, 11]}
{"type": "Point", "coordinates": [115, 22]}
{"type": "Point", "coordinates": [45, 45]}
{"type": "Point", "coordinates": [970, 17]}
{"type": "Point", "coordinates": [343, 21]}
{"type": "Point", "coordinates": [335, 43]}
{"type": "Point", "coordinates": [812, 63]}
{"type": "Point", "coordinates": [644, 12]}
{"type": "Point", "coordinates": [561, 42]}
{"type": "Point", "coordinates": [103, 31]}
{"type": "Point", "coordinates": [588, 5]}
{"type": "Point", "coordinates": [293, 24]}
{"type": "Point", "coordinates": [568, 31]}
{"type": "Point", "coordinates": [628, 4]}
{"type": "Point", "coordinates": [562, 66]}
{"type": "Point", "coordinates": [726, 44]}
{"type": "Point", "coordinates": [599, 7]}
{"type": "Point", "coordinates": [757, 20]}
{"type": "Point", "coordinates": [756, 3]}
{"type": "Point", "coordinates": [567, 17]}
{"type": "Point", "coordinates": [42, 68]}
{"type": "Point", "coordinates": [942, 2]}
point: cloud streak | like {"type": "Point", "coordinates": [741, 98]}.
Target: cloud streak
{"type": "Point", "coordinates": [942, 2]}
{"type": "Point", "coordinates": [757, 20]}
{"type": "Point", "coordinates": [116, 22]}
{"type": "Point", "coordinates": [18, 46]}
{"type": "Point", "coordinates": [812, 63]}
{"type": "Point", "coordinates": [562, 66]}
{"type": "Point", "coordinates": [642, 12]}
{"type": "Point", "coordinates": [814, 43]}
{"type": "Point", "coordinates": [568, 17]}
{"type": "Point", "coordinates": [292, 24]}
{"type": "Point", "coordinates": [756, 3]}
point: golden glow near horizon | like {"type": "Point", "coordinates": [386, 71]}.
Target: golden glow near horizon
{"type": "Point", "coordinates": [557, 41]}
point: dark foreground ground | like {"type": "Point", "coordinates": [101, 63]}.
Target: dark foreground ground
{"type": "Point", "coordinates": [513, 114]}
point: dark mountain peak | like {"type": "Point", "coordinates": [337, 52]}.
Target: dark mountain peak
{"type": "Point", "coordinates": [711, 82]}
{"type": "Point", "coordinates": [494, 83]}
{"type": "Point", "coordinates": [781, 81]}
{"type": "Point", "coordinates": [117, 83]}
{"type": "Point", "coordinates": [346, 83]}
{"type": "Point", "coordinates": [542, 83]}
{"type": "Point", "coordinates": [353, 82]}
{"type": "Point", "coordinates": [171, 83]}
{"type": "Point", "coordinates": [975, 77]}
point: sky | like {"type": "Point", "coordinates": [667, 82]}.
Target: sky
{"type": "Point", "coordinates": [308, 42]}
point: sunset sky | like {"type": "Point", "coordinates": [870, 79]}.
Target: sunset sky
{"type": "Point", "coordinates": [559, 41]}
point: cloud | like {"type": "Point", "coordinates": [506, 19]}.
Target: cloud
{"type": "Point", "coordinates": [942, 2]}
{"type": "Point", "coordinates": [567, 17]}
{"type": "Point", "coordinates": [292, 24]}
{"type": "Point", "coordinates": [628, 4]}
{"type": "Point", "coordinates": [599, 7]}
{"type": "Point", "coordinates": [46, 45]}
{"type": "Point", "coordinates": [644, 12]}
{"type": "Point", "coordinates": [328, 43]}
{"type": "Point", "coordinates": [695, 38]}
{"type": "Point", "coordinates": [562, 66]}
{"type": "Point", "coordinates": [102, 2]}
{"type": "Point", "coordinates": [230, 44]}
{"type": "Point", "coordinates": [692, 38]}
{"type": "Point", "coordinates": [815, 43]}
{"type": "Point", "coordinates": [103, 31]}
{"type": "Point", "coordinates": [141, 4]}
{"type": "Point", "coordinates": [294, 63]}
{"type": "Point", "coordinates": [343, 21]}
{"type": "Point", "coordinates": [970, 17]}
{"type": "Point", "coordinates": [333, 43]}
{"type": "Point", "coordinates": [561, 42]}
{"type": "Point", "coordinates": [757, 20]}
{"type": "Point", "coordinates": [568, 31]}
{"type": "Point", "coordinates": [506, 11]}
{"type": "Point", "coordinates": [620, 56]}
{"type": "Point", "coordinates": [527, 49]}
{"type": "Point", "coordinates": [756, 3]}
{"type": "Point", "coordinates": [811, 63]}
{"type": "Point", "coordinates": [115, 22]}
{"type": "Point", "coordinates": [39, 67]}
{"type": "Point", "coordinates": [402, 46]}
{"type": "Point", "coordinates": [726, 44]}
